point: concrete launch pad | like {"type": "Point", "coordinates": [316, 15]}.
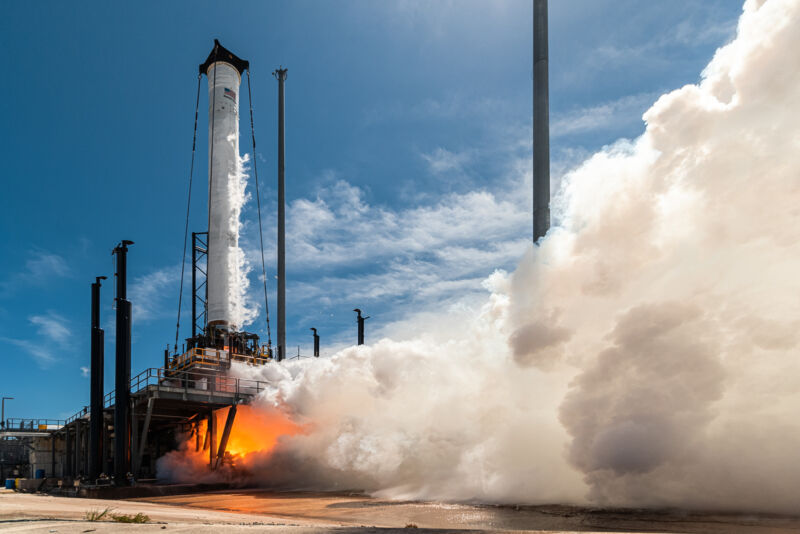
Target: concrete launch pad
{"type": "Point", "coordinates": [258, 511]}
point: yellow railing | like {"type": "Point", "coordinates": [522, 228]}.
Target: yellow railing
{"type": "Point", "coordinates": [214, 358]}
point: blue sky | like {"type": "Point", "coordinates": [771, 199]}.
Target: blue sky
{"type": "Point", "coordinates": [408, 154]}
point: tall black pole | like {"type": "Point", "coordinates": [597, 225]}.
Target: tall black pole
{"type": "Point", "coordinates": [316, 343]}
{"type": "Point", "coordinates": [96, 391]}
{"type": "Point", "coordinates": [280, 74]}
{"type": "Point", "coordinates": [360, 321]}
{"type": "Point", "coordinates": [122, 422]}
{"type": "Point", "coordinates": [541, 123]}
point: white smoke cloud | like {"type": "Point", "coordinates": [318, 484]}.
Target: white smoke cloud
{"type": "Point", "coordinates": [671, 281]}
{"type": "Point", "coordinates": [243, 309]}
{"type": "Point", "coordinates": [419, 419]}
{"type": "Point", "coordinates": [643, 355]}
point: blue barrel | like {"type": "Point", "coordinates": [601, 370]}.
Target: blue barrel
{"type": "Point", "coordinates": [9, 483]}
{"type": "Point", "coordinates": [39, 473]}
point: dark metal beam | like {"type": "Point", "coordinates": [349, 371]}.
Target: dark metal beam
{"type": "Point", "coordinates": [134, 438]}
{"type": "Point", "coordinates": [212, 438]}
{"type": "Point", "coordinates": [226, 433]}
{"type": "Point", "coordinates": [137, 465]}
{"type": "Point", "coordinates": [53, 454]}
{"type": "Point", "coordinates": [316, 343]}
{"type": "Point", "coordinates": [194, 286]}
{"type": "Point", "coordinates": [541, 123]}
{"type": "Point", "coordinates": [199, 250]}
{"type": "Point", "coordinates": [360, 321]}
{"type": "Point", "coordinates": [96, 386]}
{"type": "Point", "coordinates": [77, 456]}
{"type": "Point", "coordinates": [67, 464]}
{"type": "Point", "coordinates": [280, 74]}
{"type": "Point", "coordinates": [122, 423]}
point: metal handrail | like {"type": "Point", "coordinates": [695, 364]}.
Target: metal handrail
{"type": "Point", "coordinates": [80, 414]}
{"type": "Point", "coordinates": [17, 423]}
{"type": "Point", "coordinates": [213, 357]}
{"type": "Point", "coordinates": [155, 376]}
{"type": "Point", "coordinates": [222, 383]}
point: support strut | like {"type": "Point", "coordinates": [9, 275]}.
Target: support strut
{"type": "Point", "coordinates": [226, 434]}
{"type": "Point", "coordinates": [143, 440]}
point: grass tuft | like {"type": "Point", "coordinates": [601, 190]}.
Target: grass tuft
{"type": "Point", "coordinates": [138, 518]}
{"type": "Point", "coordinates": [411, 525]}
{"type": "Point", "coordinates": [96, 515]}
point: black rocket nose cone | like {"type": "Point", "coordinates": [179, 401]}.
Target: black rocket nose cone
{"type": "Point", "coordinates": [220, 53]}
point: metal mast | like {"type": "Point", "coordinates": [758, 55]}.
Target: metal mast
{"type": "Point", "coordinates": [280, 74]}
{"type": "Point", "coordinates": [541, 123]}
{"type": "Point", "coordinates": [316, 343]}
{"type": "Point", "coordinates": [360, 320]}
{"type": "Point", "coordinates": [122, 370]}
{"type": "Point", "coordinates": [96, 387]}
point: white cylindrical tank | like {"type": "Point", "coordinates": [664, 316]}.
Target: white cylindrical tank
{"type": "Point", "coordinates": [223, 169]}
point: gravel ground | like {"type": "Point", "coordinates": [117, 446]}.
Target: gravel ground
{"type": "Point", "coordinates": [301, 513]}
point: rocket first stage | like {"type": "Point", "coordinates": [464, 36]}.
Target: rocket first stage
{"type": "Point", "coordinates": [224, 72]}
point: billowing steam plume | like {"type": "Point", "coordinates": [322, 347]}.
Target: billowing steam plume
{"type": "Point", "coordinates": [243, 310]}
{"type": "Point", "coordinates": [645, 354]}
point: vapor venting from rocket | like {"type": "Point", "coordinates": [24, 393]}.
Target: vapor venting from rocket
{"type": "Point", "coordinates": [242, 308]}
{"type": "Point", "coordinates": [644, 355]}
{"type": "Point", "coordinates": [228, 306]}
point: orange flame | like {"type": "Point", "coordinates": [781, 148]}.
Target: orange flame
{"type": "Point", "coordinates": [254, 430]}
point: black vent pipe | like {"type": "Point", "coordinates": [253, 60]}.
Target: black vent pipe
{"type": "Point", "coordinates": [122, 422]}
{"type": "Point", "coordinates": [316, 343]}
{"type": "Point", "coordinates": [541, 123]}
{"type": "Point", "coordinates": [280, 74]}
{"type": "Point", "coordinates": [96, 386]}
{"type": "Point", "coordinates": [360, 321]}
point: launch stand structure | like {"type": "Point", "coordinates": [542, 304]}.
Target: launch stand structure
{"type": "Point", "coordinates": [122, 433]}
{"type": "Point", "coordinates": [196, 379]}
{"type": "Point", "coordinates": [145, 415]}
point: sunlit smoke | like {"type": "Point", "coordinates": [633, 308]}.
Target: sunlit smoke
{"type": "Point", "coordinates": [644, 354]}
{"type": "Point", "coordinates": [243, 309]}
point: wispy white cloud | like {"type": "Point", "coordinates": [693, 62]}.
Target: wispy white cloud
{"type": "Point", "coordinates": [693, 32]}
{"type": "Point", "coordinates": [53, 334]}
{"type": "Point", "coordinates": [442, 160]}
{"type": "Point", "coordinates": [39, 350]}
{"type": "Point", "coordinates": [42, 264]}
{"type": "Point", "coordinates": [701, 25]}
{"type": "Point", "coordinates": [40, 268]}
{"type": "Point", "coordinates": [85, 371]}
{"type": "Point", "coordinates": [341, 228]}
{"type": "Point", "coordinates": [625, 111]}
{"type": "Point", "coordinates": [455, 105]}
{"type": "Point", "coordinates": [152, 293]}
{"type": "Point", "coordinates": [51, 326]}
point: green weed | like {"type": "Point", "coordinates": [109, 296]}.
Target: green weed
{"type": "Point", "coordinates": [138, 518]}
{"type": "Point", "coordinates": [96, 515]}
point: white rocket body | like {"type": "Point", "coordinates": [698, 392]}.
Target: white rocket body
{"type": "Point", "coordinates": [223, 169]}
